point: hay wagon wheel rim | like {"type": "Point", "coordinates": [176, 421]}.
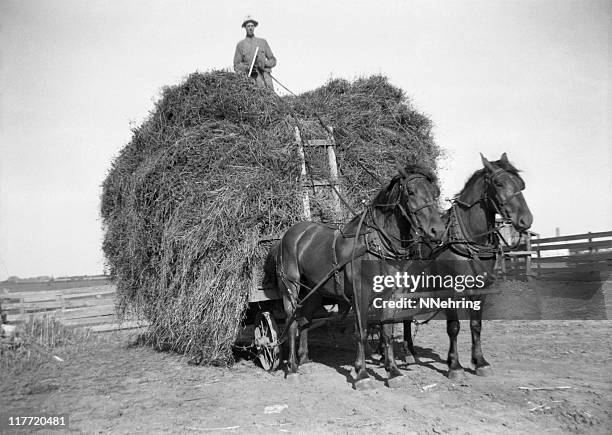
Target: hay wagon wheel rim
{"type": "Point", "coordinates": [265, 339]}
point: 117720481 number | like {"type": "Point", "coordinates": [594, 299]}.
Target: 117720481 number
{"type": "Point", "coordinates": [47, 421]}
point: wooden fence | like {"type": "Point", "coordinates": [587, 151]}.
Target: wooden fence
{"type": "Point", "coordinates": [577, 256]}
{"type": "Point", "coordinates": [574, 257]}
{"type": "Point", "coordinates": [84, 303]}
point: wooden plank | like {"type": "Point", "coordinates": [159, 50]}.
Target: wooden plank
{"type": "Point", "coordinates": [132, 324]}
{"type": "Point", "coordinates": [48, 295]}
{"type": "Point", "coordinates": [90, 320]}
{"type": "Point", "coordinates": [318, 143]}
{"type": "Point", "coordinates": [572, 237]}
{"type": "Point", "coordinates": [303, 174]}
{"type": "Point", "coordinates": [333, 172]}
{"type": "Point", "coordinates": [578, 269]}
{"type": "Point", "coordinates": [32, 306]}
{"type": "Point", "coordinates": [582, 245]}
{"type": "Point", "coordinates": [31, 296]}
{"type": "Point", "coordinates": [52, 285]}
{"type": "Point", "coordinates": [576, 258]}
{"type": "Point", "coordinates": [100, 293]}
{"type": "Point", "coordinates": [102, 289]}
{"type": "Point", "coordinates": [265, 294]}
{"type": "Point", "coordinates": [319, 183]}
{"type": "Point", "coordinates": [75, 313]}
{"type": "Point", "coordinates": [520, 253]}
{"type": "Point", "coordinates": [49, 305]}
{"type": "Point", "coordinates": [23, 317]}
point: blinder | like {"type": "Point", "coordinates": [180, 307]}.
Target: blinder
{"type": "Point", "coordinates": [497, 202]}
{"type": "Point", "coordinates": [410, 216]}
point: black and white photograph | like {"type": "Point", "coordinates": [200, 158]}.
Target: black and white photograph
{"type": "Point", "coordinates": [324, 217]}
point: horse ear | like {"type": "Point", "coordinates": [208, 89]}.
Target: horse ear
{"type": "Point", "coordinates": [486, 163]}
{"type": "Point", "coordinates": [400, 169]}
{"type": "Point", "coordinates": [504, 158]}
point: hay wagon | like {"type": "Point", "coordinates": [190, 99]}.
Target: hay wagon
{"type": "Point", "coordinates": [186, 200]}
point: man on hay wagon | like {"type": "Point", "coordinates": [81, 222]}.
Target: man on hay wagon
{"type": "Point", "coordinates": [253, 56]}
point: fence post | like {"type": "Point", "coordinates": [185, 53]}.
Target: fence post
{"type": "Point", "coordinates": [539, 258]}
{"type": "Point", "coordinates": [528, 276]}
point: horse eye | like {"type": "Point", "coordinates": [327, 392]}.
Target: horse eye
{"type": "Point", "coordinates": [498, 183]}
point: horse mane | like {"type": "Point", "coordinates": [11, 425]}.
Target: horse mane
{"type": "Point", "coordinates": [387, 195]}
{"type": "Point", "coordinates": [505, 165]}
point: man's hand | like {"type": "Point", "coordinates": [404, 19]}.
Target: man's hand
{"type": "Point", "coordinates": [261, 61]}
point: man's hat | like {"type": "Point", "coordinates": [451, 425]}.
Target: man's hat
{"type": "Point", "coordinates": [249, 19]}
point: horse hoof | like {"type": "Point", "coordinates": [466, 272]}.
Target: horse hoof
{"type": "Point", "coordinates": [484, 371]}
{"type": "Point", "coordinates": [397, 382]}
{"type": "Point", "coordinates": [292, 378]}
{"type": "Point", "coordinates": [304, 361]}
{"type": "Point", "coordinates": [410, 359]}
{"type": "Point", "coordinates": [364, 384]}
{"type": "Point", "coordinates": [455, 375]}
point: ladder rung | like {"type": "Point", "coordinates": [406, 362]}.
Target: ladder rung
{"type": "Point", "coordinates": [319, 183]}
{"type": "Point", "coordinates": [318, 143]}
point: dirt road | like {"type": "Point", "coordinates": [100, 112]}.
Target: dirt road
{"type": "Point", "coordinates": [112, 387]}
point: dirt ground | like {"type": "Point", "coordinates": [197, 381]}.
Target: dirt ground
{"type": "Point", "coordinates": [110, 386]}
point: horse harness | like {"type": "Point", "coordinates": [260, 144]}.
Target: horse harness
{"type": "Point", "coordinates": [384, 251]}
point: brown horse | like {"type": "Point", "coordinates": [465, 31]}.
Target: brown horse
{"type": "Point", "coordinates": [470, 246]}
{"type": "Point", "coordinates": [401, 215]}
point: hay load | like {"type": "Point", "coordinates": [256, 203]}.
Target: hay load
{"type": "Point", "coordinates": [214, 169]}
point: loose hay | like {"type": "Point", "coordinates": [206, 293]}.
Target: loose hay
{"type": "Point", "coordinates": [213, 170]}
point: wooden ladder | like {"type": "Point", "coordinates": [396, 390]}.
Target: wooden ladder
{"type": "Point", "coordinates": [310, 186]}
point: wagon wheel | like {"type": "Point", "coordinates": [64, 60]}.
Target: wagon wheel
{"type": "Point", "coordinates": [266, 335]}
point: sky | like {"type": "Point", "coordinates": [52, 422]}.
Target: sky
{"type": "Point", "coordinates": [526, 77]}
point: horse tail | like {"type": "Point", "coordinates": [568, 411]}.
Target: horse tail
{"type": "Point", "coordinates": [270, 278]}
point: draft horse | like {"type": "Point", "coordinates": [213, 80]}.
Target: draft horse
{"type": "Point", "coordinates": [471, 243]}
{"type": "Point", "coordinates": [401, 215]}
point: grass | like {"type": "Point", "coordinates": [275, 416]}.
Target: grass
{"type": "Point", "coordinates": [39, 341]}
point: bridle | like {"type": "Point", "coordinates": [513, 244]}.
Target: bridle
{"type": "Point", "coordinates": [474, 250]}
{"type": "Point", "coordinates": [410, 214]}
{"type": "Point", "coordinates": [498, 204]}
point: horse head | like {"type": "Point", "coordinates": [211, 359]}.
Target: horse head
{"type": "Point", "coordinates": [504, 188]}
{"type": "Point", "coordinates": [413, 194]}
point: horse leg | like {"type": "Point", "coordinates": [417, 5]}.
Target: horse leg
{"type": "Point", "coordinates": [362, 379]}
{"type": "Point", "coordinates": [481, 366]}
{"type": "Point", "coordinates": [303, 350]}
{"type": "Point", "coordinates": [377, 354]}
{"type": "Point", "coordinates": [455, 370]}
{"type": "Point", "coordinates": [407, 345]}
{"type": "Point", "coordinates": [292, 366]}
{"type": "Point", "coordinates": [394, 376]}
{"type": "Point", "coordinates": [312, 304]}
